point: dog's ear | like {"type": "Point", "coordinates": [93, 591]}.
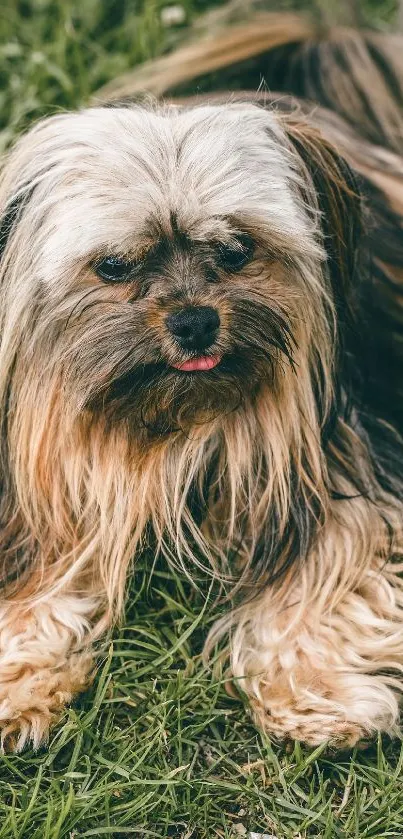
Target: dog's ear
{"type": "Point", "coordinates": [24, 166]}
{"type": "Point", "coordinates": [8, 221]}
{"type": "Point", "coordinates": [336, 193]}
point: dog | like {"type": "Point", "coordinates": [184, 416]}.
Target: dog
{"type": "Point", "coordinates": [201, 352]}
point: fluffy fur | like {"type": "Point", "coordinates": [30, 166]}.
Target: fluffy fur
{"type": "Point", "coordinates": [278, 470]}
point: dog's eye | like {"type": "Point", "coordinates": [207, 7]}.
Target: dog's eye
{"type": "Point", "coordinates": [234, 257]}
{"type": "Point", "coordinates": [113, 269]}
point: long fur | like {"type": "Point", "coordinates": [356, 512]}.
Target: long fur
{"type": "Point", "coordinates": [278, 471]}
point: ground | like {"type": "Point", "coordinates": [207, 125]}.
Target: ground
{"type": "Point", "coordinates": [158, 748]}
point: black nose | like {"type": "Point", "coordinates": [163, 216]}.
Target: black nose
{"type": "Point", "coordinates": [195, 327]}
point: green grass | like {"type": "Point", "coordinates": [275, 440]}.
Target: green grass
{"type": "Point", "coordinates": [158, 748]}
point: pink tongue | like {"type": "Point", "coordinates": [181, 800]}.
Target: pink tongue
{"type": "Point", "coordinates": [205, 362]}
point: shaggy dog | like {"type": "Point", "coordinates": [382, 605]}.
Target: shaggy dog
{"type": "Point", "coordinates": [201, 351]}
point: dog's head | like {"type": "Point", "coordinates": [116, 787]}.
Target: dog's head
{"type": "Point", "coordinates": [165, 266]}
{"type": "Point", "coordinates": [171, 287]}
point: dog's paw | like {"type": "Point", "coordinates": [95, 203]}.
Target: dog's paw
{"type": "Point", "coordinates": [312, 729]}
{"type": "Point", "coordinates": [32, 702]}
{"type": "Point", "coordinates": [344, 718]}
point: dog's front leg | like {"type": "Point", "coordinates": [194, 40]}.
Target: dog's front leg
{"type": "Point", "coordinates": [319, 683]}
{"type": "Point", "coordinates": [44, 661]}
{"type": "Point", "coordinates": [322, 660]}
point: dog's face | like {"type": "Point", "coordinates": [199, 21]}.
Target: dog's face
{"type": "Point", "coordinates": [173, 266]}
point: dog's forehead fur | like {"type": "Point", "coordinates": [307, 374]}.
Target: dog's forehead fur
{"type": "Point", "coordinates": [107, 179]}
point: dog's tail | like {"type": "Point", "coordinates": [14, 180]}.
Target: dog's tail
{"type": "Point", "coordinates": [356, 73]}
